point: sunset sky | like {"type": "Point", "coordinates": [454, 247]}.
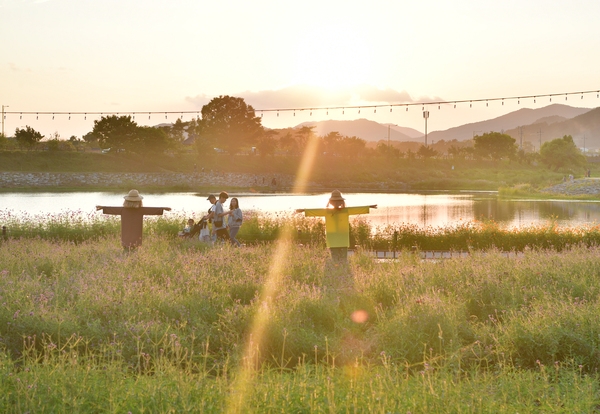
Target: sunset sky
{"type": "Point", "coordinates": [167, 56]}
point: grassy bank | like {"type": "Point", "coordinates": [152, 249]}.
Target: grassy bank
{"type": "Point", "coordinates": [360, 173]}
{"type": "Point", "coordinates": [176, 326]}
{"type": "Point", "coordinates": [264, 228]}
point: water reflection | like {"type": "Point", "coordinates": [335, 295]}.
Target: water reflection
{"type": "Point", "coordinates": [435, 210]}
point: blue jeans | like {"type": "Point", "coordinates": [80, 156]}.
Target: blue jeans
{"type": "Point", "coordinates": [233, 231]}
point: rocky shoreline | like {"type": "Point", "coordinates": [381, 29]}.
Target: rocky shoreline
{"type": "Point", "coordinates": [582, 186]}
{"type": "Point", "coordinates": [191, 181]}
{"type": "Point", "coordinates": [17, 180]}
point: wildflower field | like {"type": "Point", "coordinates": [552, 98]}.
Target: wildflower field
{"type": "Point", "coordinates": [275, 326]}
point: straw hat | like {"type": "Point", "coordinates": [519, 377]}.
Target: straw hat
{"type": "Point", "coordinates": [336, 196]}
{"type": "Point", "coordinates": [133, 195]}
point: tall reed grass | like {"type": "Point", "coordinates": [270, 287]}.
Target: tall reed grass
{"type": "Point", "coordinates": [88, 326]}
{"type": "Point", "coordinates": [266, 228]}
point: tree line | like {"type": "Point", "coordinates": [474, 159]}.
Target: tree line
{"type": "Point", "coordinates": [231, 126]}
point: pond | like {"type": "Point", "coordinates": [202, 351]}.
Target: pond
{"type": "Point", "coordinates": [431, 209]}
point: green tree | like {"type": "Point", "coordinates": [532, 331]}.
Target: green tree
{"type": "Point", "coordinates": [150, 139]}
{"type": "Point", "coordinates": [495, 145]}
{"type": "Point", "coordinates": [267, 144]}
{"type": "Point", "coordinates": [305, 134]}
{"type": "Point", "coordinates": [426, 152]}
{"type": "Point", "coordinates": [28, 137]}
{"type": "Point", "coordinates": [289, 144]}
{"type": "Point", "coordinates": [562, 152]}
{"type": "Point", "coordinates": [116, 132]}
{"type": "Point", "coordinates": [229, 123]}
{"type": "Point", "coordinates": [332, 142]}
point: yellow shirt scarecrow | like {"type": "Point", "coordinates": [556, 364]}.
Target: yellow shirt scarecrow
{"type": "Point", "coordinates": [337, 223]}
{"type": "Point", "coordinates": [337, 219]}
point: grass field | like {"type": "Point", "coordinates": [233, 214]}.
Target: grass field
{"type": "Point", "coordinates": [178, 326]}
{"type": "Point", "coordinates": [381, 173]}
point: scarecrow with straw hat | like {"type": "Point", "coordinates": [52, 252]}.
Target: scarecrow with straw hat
{"type": "Point", "coordinates": [132, 214]}
{"type": "Point", "coordinates": [337, 223]}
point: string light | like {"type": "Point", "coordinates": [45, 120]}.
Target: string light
{"type": "Point", "coordinates": [359, 108]}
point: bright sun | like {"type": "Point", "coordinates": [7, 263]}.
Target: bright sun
{"type": "Point", "coordinates": [334, 58]}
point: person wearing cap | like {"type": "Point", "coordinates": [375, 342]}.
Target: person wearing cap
{"type": "Point", "coordinates": [337, 223]}
{"type": "Point", "coordinates": [217, 216]}
{"type": "Point", "coordinates": [210, 236]}
{"type": "Point", "coordinates": [132, 218]}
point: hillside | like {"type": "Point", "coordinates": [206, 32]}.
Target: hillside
{"type": "Point", "coordinates": [370, 131]}
{"type": "Point", "coordinates": [524, 116]}
{"type": "Point", "coordinates": [558, 116]}
{"type": "Point", "coordinates": [584, 128]}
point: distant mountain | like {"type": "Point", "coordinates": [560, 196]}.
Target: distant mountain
{"type": "Point", "coordinates": [584, 128]}
{"type": "Point", "coordinates": [552, 118]}
{"type": "Point", "coordinates": [525, 116]}
{"type": "Point", "coordinates": [364, 129]}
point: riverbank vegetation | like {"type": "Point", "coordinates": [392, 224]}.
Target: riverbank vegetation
{"type": "Point", "coordinates": [376, 173]}
{"type": "Point", "coordinates": [174, 326]}
{"type": "Point", "coordinates": [266, 228]}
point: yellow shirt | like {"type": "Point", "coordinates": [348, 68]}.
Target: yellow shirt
{"type": "Point", "coordinates": [337, 223]}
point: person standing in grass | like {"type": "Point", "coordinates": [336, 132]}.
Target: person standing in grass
{"type": "Point", "coordinates": [337, 223]}
{"type": "Point", "coordinates": [219, 227]}
{"type": "Point", "coordinates": [234, 220]}
{"type": "Point", "coordinates": [209, 218]}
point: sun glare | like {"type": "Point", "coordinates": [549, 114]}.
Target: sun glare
{"type": "Point", "coordinates": [333, 57]}
{"type": "Point", "coordinates": [238, 400]}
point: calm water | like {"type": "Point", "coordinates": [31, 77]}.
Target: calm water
{"type": "Point", "coordinates": [435, 210]}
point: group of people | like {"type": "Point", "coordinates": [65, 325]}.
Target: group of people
{"type": "Point", "coordinates": [217, 224]}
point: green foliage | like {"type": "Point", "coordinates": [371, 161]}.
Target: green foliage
{"type": "Point", "coordinates": [228, 123]}
{"type": "Point", "coordinates": [28, 137]}
{"type": "Point", "coordinates": [170, 328]}
{"type": "Point", "coordinates": [116, 132]}
{"type": "Point", "coordinates": [562, 153]}
{"type": "Point", "coordinates": [426, 152]}
{"type": "Point", "coordinates": [495, 145]}
{"type": "Point", "coordinates": [164, 320]}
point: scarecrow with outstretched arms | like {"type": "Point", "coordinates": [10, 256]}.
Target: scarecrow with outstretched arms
{"type": "Point", "coordinates": [132, 218]}
{"type": "Point", "coordinates": [337, 223]}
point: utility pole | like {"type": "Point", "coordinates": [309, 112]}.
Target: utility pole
{"type": "Point", "coordinates": [521, 138]}
{"type": "Point", "coordinates": [425, 115]}
{"type": "Point", "coordinates": [388, 137]}
{"type": "Point", "coordinates": [540, 132]}
{"type": "Point", "coordinates": [3, 106]}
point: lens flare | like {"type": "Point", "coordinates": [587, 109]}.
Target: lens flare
{"type": "Point", "coordinates": [237, 399]}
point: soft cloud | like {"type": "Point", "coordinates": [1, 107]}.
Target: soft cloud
{"type": "Point", "coordinates": [303, 96]}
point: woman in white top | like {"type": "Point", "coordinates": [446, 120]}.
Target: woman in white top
{"type": "Point", "coordinates": [235, 219]}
